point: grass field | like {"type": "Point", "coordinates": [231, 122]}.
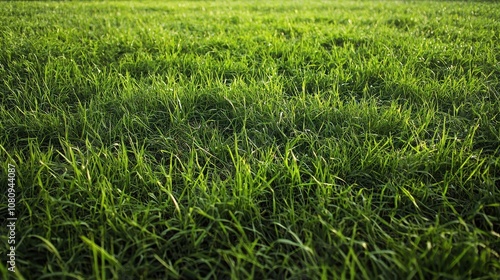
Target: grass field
{"type": "Point", "coordinates": [251, 139]}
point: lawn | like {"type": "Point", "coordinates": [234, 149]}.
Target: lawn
{"type": "Point", "coordinates": [250, 140]}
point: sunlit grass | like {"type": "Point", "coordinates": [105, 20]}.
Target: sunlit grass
{"type": "Point", "coordinates": [240, 139]}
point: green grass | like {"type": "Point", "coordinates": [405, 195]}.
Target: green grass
{"type": "Point", "coordinates": [243, 139]}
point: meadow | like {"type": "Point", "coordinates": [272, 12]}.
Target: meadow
{"type": "Point", "coordinates": [251, 139]}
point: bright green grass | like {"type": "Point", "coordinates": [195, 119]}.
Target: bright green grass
{"type": "Point", "coordinates": [240, 139]}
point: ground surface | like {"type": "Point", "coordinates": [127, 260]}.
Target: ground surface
{"type": "Point", "coordinates": [240, 139]}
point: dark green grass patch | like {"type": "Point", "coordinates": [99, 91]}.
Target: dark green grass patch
{"type": "Point", "coordinates": [231, 139]}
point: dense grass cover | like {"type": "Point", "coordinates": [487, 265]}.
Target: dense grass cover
{"type": "Point", "coordinates": [245, 139]}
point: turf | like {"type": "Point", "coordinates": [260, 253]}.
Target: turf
{"type": "Point", "coordinates": [252, 139]}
